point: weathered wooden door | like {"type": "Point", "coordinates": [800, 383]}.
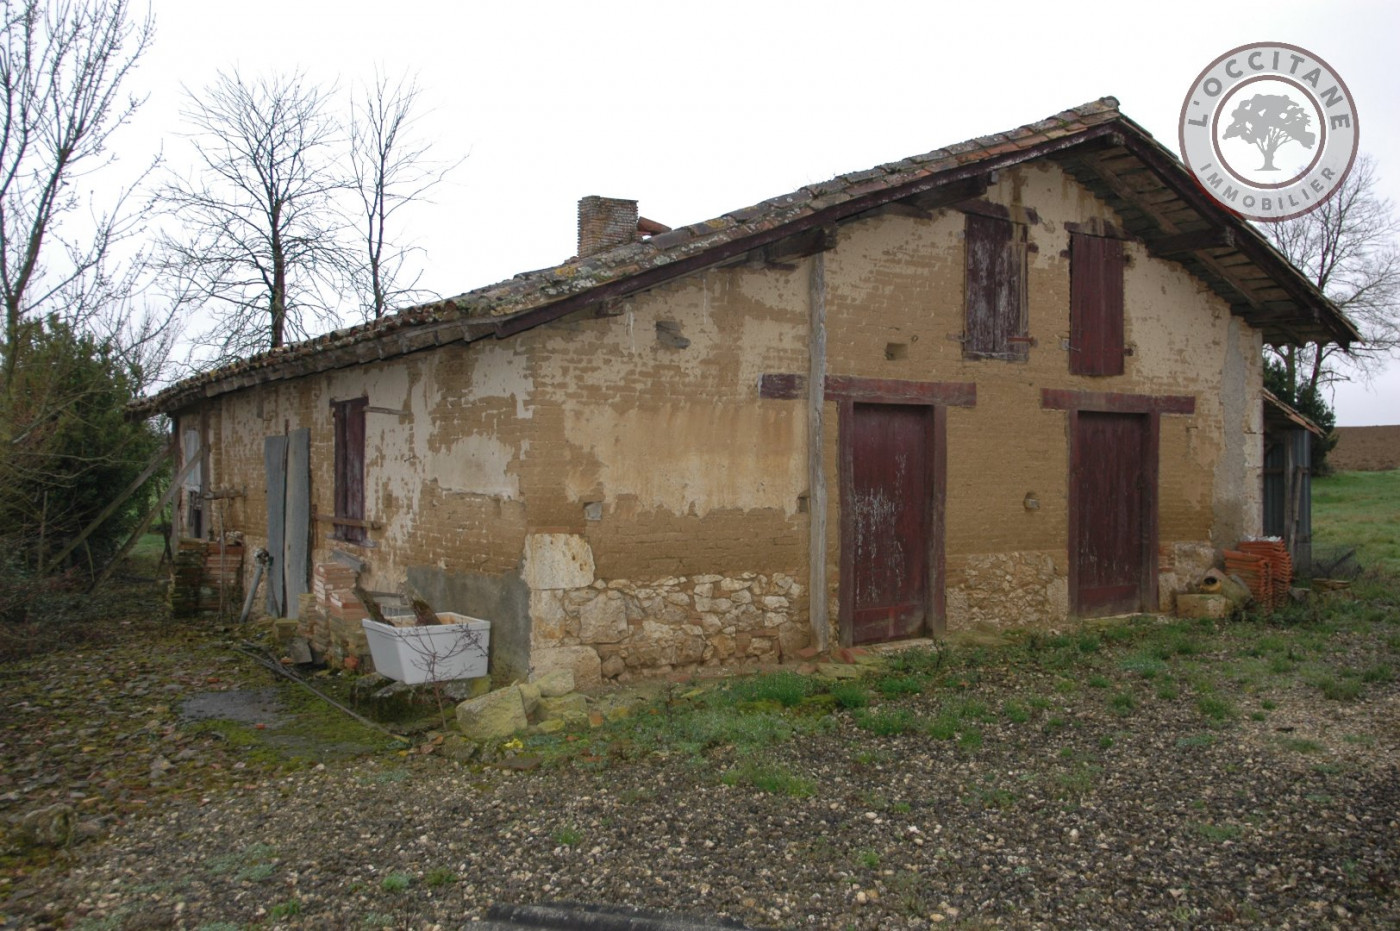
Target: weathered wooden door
{"type": "Point", "coordinates": [889, 521]}
{"type": "Point", "coordinates": [1112, 503]}
{"type": "Point", "coordinates": [287, 461]}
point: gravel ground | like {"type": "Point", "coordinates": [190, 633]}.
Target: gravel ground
{"type": "Point", "coordinates": [1086, 811]}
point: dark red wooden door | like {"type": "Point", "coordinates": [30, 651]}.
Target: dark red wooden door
{"type": "Point", "coordinates": [889, 520]}
{"type": "Point", "coordinates": [1111, 498]}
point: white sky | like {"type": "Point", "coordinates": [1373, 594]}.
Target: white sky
{"type": "Point", "coordinates": [697, 108]}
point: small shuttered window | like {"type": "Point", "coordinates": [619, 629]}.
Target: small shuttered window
{"type": "Point", "coordinates": [1096, 305]}
{"type": "Point", "coordinates": [996, 289]}
{"type": "Point", "coordinates": [350, 468]}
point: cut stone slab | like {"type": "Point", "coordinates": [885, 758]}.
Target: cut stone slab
{"type": "Point", "coordinates": [839, 671]}
{"type": "Point", "coordinates": [1198, 606]}
{"type": "Point", "coordinates": [529, 696]}
{"type": "Point", "coordinates": [555, 683]}
{"type": "Point", "coordinates": [493, 716]}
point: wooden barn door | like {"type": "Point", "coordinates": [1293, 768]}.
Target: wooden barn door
{"type": "Point", "coordinates": [1112, 493]}
{"type": "Point", "coordinates": [886, 520]}
{"type": "Point", "coordinates": [287, 462]}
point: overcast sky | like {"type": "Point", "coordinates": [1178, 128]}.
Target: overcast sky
{"type": "Point", "coordinates": [694, 109]}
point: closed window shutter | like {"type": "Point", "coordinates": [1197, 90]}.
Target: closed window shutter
{"type": "Point", "coordinates": [1096, 305]}
{"type": "Point", "coordinates": [350, 467]}
{"type": "Point", "coordinates": [996, 320]}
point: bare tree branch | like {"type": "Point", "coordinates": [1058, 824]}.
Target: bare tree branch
{"type": "Point", "coordinates": [260, 242]}
{"type": "Point", "coordinates": [61, 70]}
{"type": "Point", "coordinates": [389, 169]}
{"type": "Point", "coordinates": [1350, 248]}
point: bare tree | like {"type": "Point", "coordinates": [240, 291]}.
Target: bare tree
{"type": "Point", "coordinates": [1350, 248]}
{"type": "Point", "coordinates": [62, 68]}
{"type": "Point", "coordinates": [389, 170]}
{"type": "Point", "coordinates": [259, 241]}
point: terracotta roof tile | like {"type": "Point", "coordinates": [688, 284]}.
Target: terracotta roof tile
{"type": "Point", "coordinates": [537, 289]}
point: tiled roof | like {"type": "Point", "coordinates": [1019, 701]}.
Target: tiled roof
{"type": "Point", "coordinates": [532, 297]}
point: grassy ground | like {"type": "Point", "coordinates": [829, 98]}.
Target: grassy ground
{"type": "Point", "coordinates": [1360, 509]}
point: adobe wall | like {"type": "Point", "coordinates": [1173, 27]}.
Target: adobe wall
{"type": "Point", "coordinates": [613, 493]}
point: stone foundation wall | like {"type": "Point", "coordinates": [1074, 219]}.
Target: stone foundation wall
{"type": "Point", "coordinates": [617, 629]}
{"type": "Point", "coordinates": [1004, 590]}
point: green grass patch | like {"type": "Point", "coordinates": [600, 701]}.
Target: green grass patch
{"type": "Point", "coordinates": [1122, 703]}
{"type": "Point", "coordinates": [899, 686]}
{"type": "Point", "coordinates": [850, 695]}
{"type": "Point", "coordinates": [1015, 712]}
{"type": "Point", "coordinates": [783, 687]}
{"type": "Point", "coordinates": [1216, 832]}
{"type": "Point", "coordinates": [1360, 509]}
{"type": "Point", "coordinates": [396, 882]}
{"type": "Point", "coordinates": [1145, 664]}
{"type": "Point", "coordinates": [1215, 708]}
{"type": "Point", "coordinates": [769, 777]}
{"type": "Point", "coordinates": [886, 722]}
{"type": "Point", "coordinates": [1300, 745]}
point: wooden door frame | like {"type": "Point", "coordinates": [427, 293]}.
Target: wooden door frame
{"type": "Point", "coordinates": [1152, 407]}
{"type": "Point", "coordinates": [935, 397]}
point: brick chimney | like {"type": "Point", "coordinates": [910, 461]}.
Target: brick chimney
{"type": "Point", "coordinates": [604, 222]}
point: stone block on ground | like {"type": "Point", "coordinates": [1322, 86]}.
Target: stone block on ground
{"type": "Point", "coordinates": [839, 671]}
{"type": "Point", "coordinates": [529, 696]}
{"type": "Point", "coordinates": [1202, 606]}
{"type": "Point", "coordinates": [570, 709]}
{"type": "Point", "coordinates": [494, 715]}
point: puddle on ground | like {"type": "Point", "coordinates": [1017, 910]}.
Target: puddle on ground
{"type": "Point", "coordinates": [246, 706]}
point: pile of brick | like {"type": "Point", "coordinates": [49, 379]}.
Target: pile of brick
{"type": "Point", "coordinates": [207, 578]}
{"type": "Point", "coordinates": [331, 616]}
{"type": "Point", "coordinates": [1264, 567]}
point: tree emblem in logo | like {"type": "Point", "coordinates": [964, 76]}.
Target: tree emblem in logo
{"type": "Point", "coordinates": [1267, 121]}
{"type": "Point", "coordinates": [1277, 104]}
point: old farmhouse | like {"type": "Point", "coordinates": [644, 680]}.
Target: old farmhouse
{"type": "Point", "coordinates": [1013, 381]}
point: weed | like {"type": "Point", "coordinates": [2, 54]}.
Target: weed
{"type": "Point", "coordinates": [1098, 682]}
{"type": "Point", "coordinates": [396, 882]}
{"type": "Point", "coordinates": [784, 687]}
{"type": "Point", "coordinates": [439, 877]}
{"type": "Point", "coordinates": [288, 909]}
{"type": "Point", "coordinates": [992, 796]}
{"type": "Point", "coordinates": [970, 739]}
{"type": "Point", "coordinates": [1258, 716]}
{"type": "Point", "coordinates": [1122, 703]}
{"type": "Point", "coordinates": [1348, 688]}
{"type": "Point", "coordinates": [1015, 712]}
{"type": "Point", "coordinates": [1078, 781]}
{"type": "Point", "coordinates": [1144, 664]}
{"type": "Point", "coordinates": [1216, 832]}
{"type": "Point", "coordinates": [1217, 709]}
{"type": "Point", "coordinates": [1194, 741]}
{"type": "Point", "coordinates": [1038, 703]}
{"type": "Point", "coordinates": [868, 859]}
{"type": "Point", "coordinates": [1301, 745]}
{"type": "Point", "coordinates": [943, 727]}
{"type": "Point", "coordinates": [1360, 740]}
{"type": "Point", "coordinates": [886, 722]}
{"type": "Point", "coordinates": [1377, 673]}
{"type": "Point", "coordinates": [1268, 704]}
{"type": "Point", "coordinates": [255, 873]}
{"type": "Point", "coordinates": [1056, 722]}
{"type": "Point", "coordinates": [901, 808]}
{"type": "Point", "coordinates": [568, 836]}
{"type": "Point", "coordinates": [770, 778]}
{"type": "Point", "coordinates": [1105, 742]}
{"type": "Point", "coordinates": [1089, 643]}
{"type": "Point", "coordinates": [850, 695]}
{"type": "Point", "coordinates": [1168, 691]}
{"type": "Point", "coordinates": [899, 686]}
{"type": "Point", "coordinates": [248, 857]}
{"type": "Point", "coordinates": [872, 757]}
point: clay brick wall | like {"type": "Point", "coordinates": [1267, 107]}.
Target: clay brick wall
{"type": "Point", "coordinates": [1366, 449]}
{"type": "Point", "coordinates": [604, 222]}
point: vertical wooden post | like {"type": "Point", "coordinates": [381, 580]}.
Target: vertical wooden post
{"type": "Point", "coordinates": [816, 472]}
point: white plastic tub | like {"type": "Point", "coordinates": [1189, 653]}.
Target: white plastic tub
{"type": "Point", "coordinates": [455, 650]}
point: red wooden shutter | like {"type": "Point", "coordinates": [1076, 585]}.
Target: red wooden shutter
{"type": "Point", "coordinates": [995, 295]}
{"type": "Point", "coordinates": [350, 466]}
{"type": "Point", "coordinates": [1095, 305]}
